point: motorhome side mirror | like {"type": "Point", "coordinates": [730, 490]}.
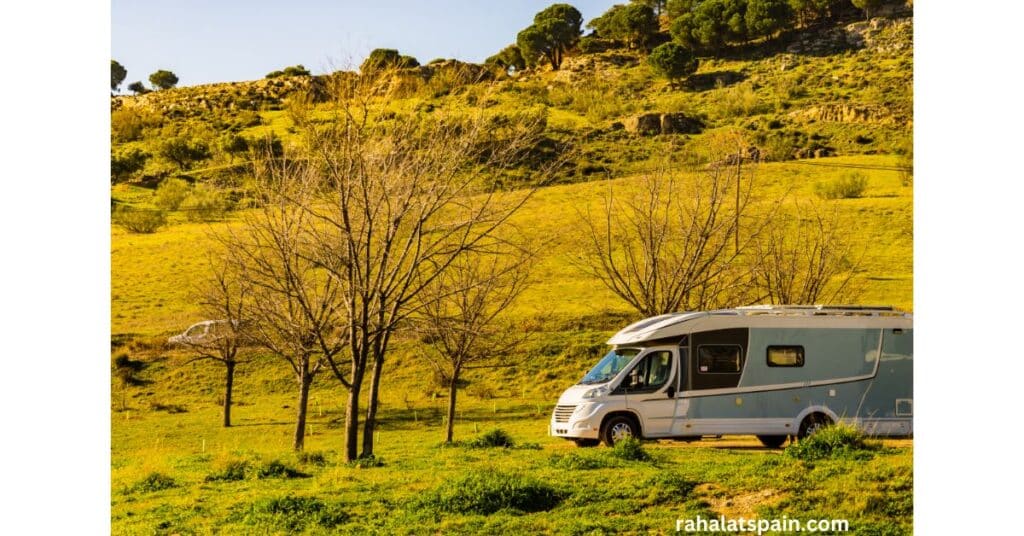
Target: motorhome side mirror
{"type": "Point", "coordinates": [671, 391]}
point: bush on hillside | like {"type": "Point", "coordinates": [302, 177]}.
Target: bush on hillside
{"type": "Point", "coordinates": [170, 194]}
{"type": "Point", "coordinates": [152, 482]}
{"type": "Point", "coordinates": [184, 152]}
{"type": "Point", "coordinates": [163, 79]}
{"type": "Point", "coordinates": [126, 164]}
{"type": "Point", "coordinates": [386, 58]}
{"type": "Point", "coordinates": [139, 220]}
{"type": "Point", "coordinates": [294, 70]}
{"type": "Point", "coordinates": [673, 61]}
{"type": "Point", "coordinates": [849, 186]}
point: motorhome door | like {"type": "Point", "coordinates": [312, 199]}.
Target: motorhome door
{"type": "Point", "coordinates": [651, 388]}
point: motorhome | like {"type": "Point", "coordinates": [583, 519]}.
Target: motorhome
{"type": "Point", "coordinates": [770, 371]}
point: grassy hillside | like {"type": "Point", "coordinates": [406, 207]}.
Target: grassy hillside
{"type": "Point", "coordinates": [154, 273]}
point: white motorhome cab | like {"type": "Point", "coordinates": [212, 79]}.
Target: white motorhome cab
{"type": "Point", "coordinates": [769, 371]}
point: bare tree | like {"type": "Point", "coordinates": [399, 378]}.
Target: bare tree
{"type": "Point", "coordinates": [224, 298]}
{"type": "Point", "coordinates": [677, 240]}
{"type": "Point", "coordinates": [461, 317]}
{"type": "Point", "coordinates": [295, 305]}
{"type": "Point", "coordinates": [399, 200]}
{"type": "Point", "coordinates": [805, 258]}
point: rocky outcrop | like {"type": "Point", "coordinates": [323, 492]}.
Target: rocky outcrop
{"type": "Point", "coordinates": [667, 123]}
{"type": "Point", "coordinates": [880, 34]}
{"type": "Point", "coordinates": [845, 113]}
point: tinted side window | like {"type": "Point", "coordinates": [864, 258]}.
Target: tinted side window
{"type": "Point", "coordinates": [650, 374]}
{"type": "Point", "coordinates": [719, 359]}
{"type": "Point", "coordinates": [785, 356]}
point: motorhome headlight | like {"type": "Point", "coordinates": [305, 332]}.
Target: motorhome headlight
{"type": "Point", "coordinates": [595, 392]}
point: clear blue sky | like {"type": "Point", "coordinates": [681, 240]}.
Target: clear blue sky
{"type": "Point", "coordinates": [229, 40]}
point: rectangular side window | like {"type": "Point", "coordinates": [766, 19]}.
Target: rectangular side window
{"type": "Point", "coordinates": [719, 359]}
{"type": "Point", "coordinates": [785, 356]}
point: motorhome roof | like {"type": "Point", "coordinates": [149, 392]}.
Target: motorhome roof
{"type": "Point", "coordinates": [767, 316]}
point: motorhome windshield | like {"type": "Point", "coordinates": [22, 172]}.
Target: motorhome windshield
{"type": "Point", "coordinates": [611, 364]}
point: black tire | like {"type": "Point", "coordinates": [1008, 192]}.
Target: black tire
{"type": "Point", "coordinates": [812, 423]}
{"type": "Point", "coordinates": [618, 427]}
{"type": "Point", "coordinates": [586, 442]}
{"type": "Point", "coordinates": [772, 441]}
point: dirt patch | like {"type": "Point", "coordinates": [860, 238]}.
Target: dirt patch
{"type": "Point", "coordinates": [735, 506]}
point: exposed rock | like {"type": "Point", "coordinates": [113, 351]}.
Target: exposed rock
{"type": "Point", "coordinates": [677, 123]}
{"type": "Point", "coordinates": [668, 123]}
{"type": "Point", "coordinates": [643, 124]}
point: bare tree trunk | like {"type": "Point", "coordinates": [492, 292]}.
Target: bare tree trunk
{"type": "Point", "coordinates": [352, 420]}
{"type": "Point", "coordinates": [300, 423]}
{"type": "Point", "coordinates": [452, 392]}
{"type": "Point", "coordinates": [371, 407]}
{"type": "Point", "coordinates": [228, 384]}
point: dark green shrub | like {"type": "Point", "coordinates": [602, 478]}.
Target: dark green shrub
{"type": "Point", "coordinates": [838, 441]}
{"type": "Point", "coordinates": [294, 70]}
{"type": "Point", "coordinates": [489, 492]}
{"type": "Point", "coordinates": [139, 220]}
{"type": "Point", "coordinates": [294, 514]}
{"type": "Point", "coordinates": [277, 469]}
{"type": "Point", "coordinates": [673, 61]}
{"type": "Point", "coordinates": [152, 482]}
{"type": "Point", "coordinates": [126, 164]}
{"type": "Point", "coordinates": [630, 449]}
{"type": "Point", "coordinates": [386, 58]}
{"type": "Point", "coordinates": [849, 186]}
{"type": "Point", "coordinates": [137, 88]}
{"type": "Point", "coordinates": [117, 75]}
{"type": "Point", "coordinates": [312, 458]}
{"type": "Point", "coordinates": [184, 152]}
{"type": "Point", "coordinates": [163, 79]}
{"type": "Point", "coordinates": [232, 471]}
{"type": "Point", "coordinates": [170, 194]}
{"type": "Point", "coordinates": [496, 438]}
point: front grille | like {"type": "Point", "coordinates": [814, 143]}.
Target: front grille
{"type": "Point", "coordinates": [562, 413]}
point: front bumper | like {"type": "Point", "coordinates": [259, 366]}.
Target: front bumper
{"type": "Point", "coordinates": [582, 422]}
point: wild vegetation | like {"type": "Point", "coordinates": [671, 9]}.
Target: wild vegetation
{"type": "Point", "coordinates": [385, 243]}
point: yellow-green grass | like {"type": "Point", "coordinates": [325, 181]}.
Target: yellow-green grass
{"type": "Point", "coordinates": [153, 275]}
{"type": "Point", "coordinates": [731, 476]}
